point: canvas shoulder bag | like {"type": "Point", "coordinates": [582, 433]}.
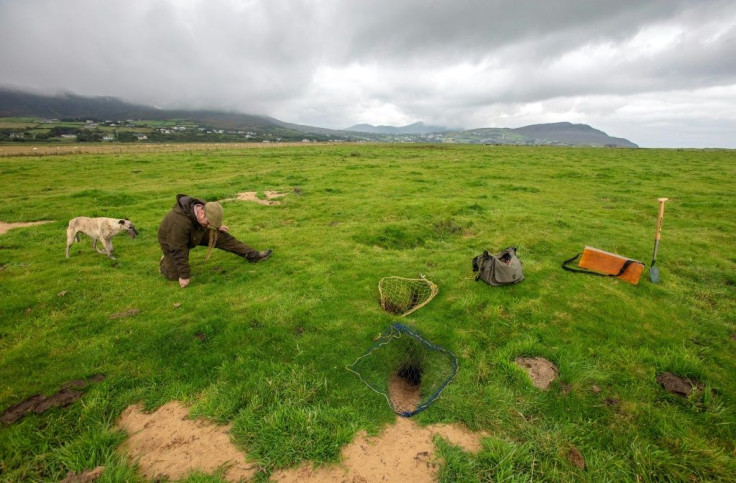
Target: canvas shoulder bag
{"type": "Point", "coordinates": [502, 269]}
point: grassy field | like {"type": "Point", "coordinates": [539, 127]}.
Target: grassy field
{"type": "Point", "coordinates": [265, 346]}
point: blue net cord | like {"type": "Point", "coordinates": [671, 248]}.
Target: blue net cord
{"type": "Point", "coordinates": [394, 333]}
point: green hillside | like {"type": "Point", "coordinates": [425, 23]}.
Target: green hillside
{"type": "Point", "coordinates": [237, 127]}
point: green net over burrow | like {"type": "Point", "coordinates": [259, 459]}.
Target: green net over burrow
{"type": "Point", "coordinates": [409, 371]}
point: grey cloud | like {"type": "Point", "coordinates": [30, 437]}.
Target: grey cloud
{"type": "Point", "coordinates": [454, 62]}
{"type": "Point", "coordinates": [471, 29]}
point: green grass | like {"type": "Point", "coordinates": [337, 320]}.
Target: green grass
{"type": "Point", "coordinates": [278, 335]}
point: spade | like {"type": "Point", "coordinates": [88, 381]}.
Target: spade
{"type": "Point", "coordinates": [654, 271]}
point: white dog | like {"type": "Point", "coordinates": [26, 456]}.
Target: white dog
{"type": "Point", "coordinates": [98, 229]}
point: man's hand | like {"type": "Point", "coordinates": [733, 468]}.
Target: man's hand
{"type": "Point", "coordinates": [183, 282]}
{"type": "Point", "coordinates": [224, 228]}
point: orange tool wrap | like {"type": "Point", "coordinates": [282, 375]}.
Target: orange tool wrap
{"type": "Point", "coordinates": [611, 264]}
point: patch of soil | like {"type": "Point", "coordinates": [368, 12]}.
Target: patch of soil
{"type": "Point", "coordinates": [576, 458]}
{"type": "Point", "coordinates": [39, 403]}
{"type": "Point", "coordinates": [253, 196]}
{"type": "Point", "coordinates": [402, 452]}
{"type": "Point", "coordinates": [542, 371]}
{"type": "Point", "coordinates": [75, 384]}
{"type": "Point", "coordinates": [5, 227]}
{"type": "Point", "coordinates": [612, 401]}
{"type": "Point", "coordinates": [403, 393]}
{"type": "Point", "coordinates": [62, 399]}
{"type": "Point", "coordinates": [84, 477]}
{"type": "Point", "coordinates": [126, 313]}
{"type": "Point", "coordinates": [680, 386]}
{"type": "Point", "coordinates": [166, 444]}
{"type": "Point", "coordinates": [14, 413]}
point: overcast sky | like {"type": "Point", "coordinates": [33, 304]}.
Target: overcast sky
{"type": "Point", "coordinates": [661, 73]}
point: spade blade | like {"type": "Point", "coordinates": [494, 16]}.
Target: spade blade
{"type": "Point", "coordinates": [654, 274]}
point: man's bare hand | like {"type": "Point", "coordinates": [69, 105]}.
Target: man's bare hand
{"type": "Point", "coordinates": [224, 228]}
{"type": "Point", "coordinates": [183, 282]}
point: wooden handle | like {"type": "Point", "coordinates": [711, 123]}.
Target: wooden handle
{"type": "Point", "coordinates": [659, 218]}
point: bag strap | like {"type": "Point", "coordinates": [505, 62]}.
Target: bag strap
{"type": "Point", "coordinates": [620, 272]}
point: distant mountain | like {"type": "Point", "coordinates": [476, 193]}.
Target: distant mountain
{"type": "Point", "coordinates": [572, 134]}
{"type": "Point", "coordinates": [416, 128]}
{"type": "Point", "coordinates": [560, 133]}
{"type": "Point", "coordinates": [553, 134]}
{"type": "Point", "coordinates": [70, 106]}
{"type": "Point", "coordinates": [14, 103]}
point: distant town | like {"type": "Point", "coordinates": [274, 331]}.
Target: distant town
{"type": "Point", "coordinates": [79, 131]}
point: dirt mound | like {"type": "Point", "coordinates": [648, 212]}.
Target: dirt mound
{"type": "Point", "coordinates": [5, 227]}
{"type": "Point", "coordinates": [253, 196]}
{"type": "Point", "coordinates": [680, 386]}
{"type": "Point", "coordinates": [575, 457]}
{"type": "Point", "coordinates": [168, 445]}
{"type": "Point", "coordinates": [40, 403]}
{"type": "Point", "coordinates": [542, 371]}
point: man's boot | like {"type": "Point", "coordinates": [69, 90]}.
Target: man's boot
{"type": "Point", "coordinates": [261, 256]}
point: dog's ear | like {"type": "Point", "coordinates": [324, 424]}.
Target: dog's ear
{"type": "Point", "coordinates": [121, 222]}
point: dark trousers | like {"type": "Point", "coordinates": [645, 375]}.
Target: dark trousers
{"type": "Point", "coordinates": [225, 241]}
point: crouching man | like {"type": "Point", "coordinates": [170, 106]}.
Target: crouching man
{"type": "Point", "coordinates": [193, 222]}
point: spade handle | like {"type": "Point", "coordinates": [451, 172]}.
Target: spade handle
{"type": "Point", "coordinates": [660, 216]}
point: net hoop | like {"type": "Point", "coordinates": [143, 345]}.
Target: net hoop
{"type": "Point", "coordinates": [383, 291]}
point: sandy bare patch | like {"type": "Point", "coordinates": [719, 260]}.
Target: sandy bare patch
{"type": "Point", "coordinates": [4, 227]}
{"type": "Point", "coordinates": [402, 452]}
{"type": "Point", "coordinates": [253, 196]}
{"type": "Point", "coordinates": [542, 371]}
{"type": "Point", "coordinates": [167, 444]}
